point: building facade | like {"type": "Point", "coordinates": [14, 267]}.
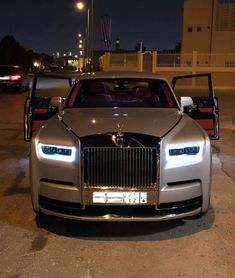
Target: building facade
{"type": "Point", "coordinates": [209, 28]}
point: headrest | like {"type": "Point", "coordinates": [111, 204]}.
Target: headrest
{"type": "Point", "coordinates": [141, 92]}
{"type": "Point", "coordinates": [99, 88]}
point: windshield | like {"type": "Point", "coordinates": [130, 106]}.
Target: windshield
{"type": "Point", "coordinates": [121, 92]}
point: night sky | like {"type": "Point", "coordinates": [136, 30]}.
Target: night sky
{"type": "Point", "coordinates": [52, 25]}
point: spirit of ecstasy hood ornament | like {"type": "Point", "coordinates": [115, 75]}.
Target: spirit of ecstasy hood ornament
{"type": "Point", "coordinates": [120, 127]}
{"type": "Point", "coordinates": [119, 136]}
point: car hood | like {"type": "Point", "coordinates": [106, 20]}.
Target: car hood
{"type": "Point", "coordinates": [89, 121]}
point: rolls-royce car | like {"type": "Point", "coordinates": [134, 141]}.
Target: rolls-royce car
{"type": "Point", "coordinates": [121, 146]}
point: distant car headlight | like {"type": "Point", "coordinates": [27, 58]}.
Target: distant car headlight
{"type": "Point", "coordinates": [184, 154]}
{"type": "Point", "coordinates": [56, 152]}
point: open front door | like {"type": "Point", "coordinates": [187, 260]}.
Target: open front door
{"type": "Point", "coordinates": [205, 108]}
{"type": "Point", "coordinates": [44, 101]}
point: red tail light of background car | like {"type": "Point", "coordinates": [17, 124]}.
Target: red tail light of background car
{"type": "Point", "coordinates": [15, 76]}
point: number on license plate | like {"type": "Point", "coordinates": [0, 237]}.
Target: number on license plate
{"type": "Point", "coordinates": [119, 197]}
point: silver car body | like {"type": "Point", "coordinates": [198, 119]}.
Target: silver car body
{"type": "Point", "coordinates": [182, 181]}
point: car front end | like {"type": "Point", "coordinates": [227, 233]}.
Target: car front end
{"type": "Point", "coordinates": [95, 168]}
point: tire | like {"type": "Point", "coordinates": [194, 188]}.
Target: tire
{"type": "Point", "coordinates": [40, 220]}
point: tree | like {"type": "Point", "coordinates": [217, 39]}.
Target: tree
{"type": "Point", "coordinates": [12, 53]}
{"type": "Point", "coordinates": [46, 60]}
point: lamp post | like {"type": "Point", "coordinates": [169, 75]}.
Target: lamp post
{"type": "Point", "coordinates": [92, 35]}
{"type": "Point", "coordinates": [89, 32]}
{"type": "Point", "coordinates": [80, 44]}
{"type": "Point", "coordinates": [81, 48]}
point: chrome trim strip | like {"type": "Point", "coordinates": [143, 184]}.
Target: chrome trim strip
{"type": "Point", "coordinates": [118, 218]}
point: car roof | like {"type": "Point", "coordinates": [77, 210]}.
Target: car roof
{"type": "Point", "coordinates": [102, 75]}
{"type": "Point", "coordinates": [120, 74]}
{"type": "Point", "coordinates": [11, 66]}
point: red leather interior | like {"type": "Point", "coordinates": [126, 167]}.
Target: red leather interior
{"type": "Point", "coordinates": [36, 125]}
{"type": "Point", "coordinates": [207, 124]}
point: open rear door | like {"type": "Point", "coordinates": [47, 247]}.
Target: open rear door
{"type": "Point", "coordinates": [205, 108]}
{"type": "Point", "coordinates": [46, 96]}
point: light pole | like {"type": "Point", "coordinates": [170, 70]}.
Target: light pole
{"type": "Point", "coordinates": [89, 32]}
{"type": "Point", "coordinates": [92, 35]}
{"type": "Point", "coordinates": [81, 50]}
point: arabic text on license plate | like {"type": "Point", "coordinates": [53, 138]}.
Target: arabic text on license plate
{"type": "Point", "coordinates": [120, 197]}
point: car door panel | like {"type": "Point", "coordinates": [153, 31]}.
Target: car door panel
{"type": "Point", "coordinates": [38, 106]}
{"type": "Point", "coordinates": [205, 104]}
{"type": "Point", "coordinates": [42, 111]}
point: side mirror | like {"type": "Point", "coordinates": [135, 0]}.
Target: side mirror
{"type": "Point", "coordinates": [186, 102]}
{"type": "Point", "coordinates": [56, 102]}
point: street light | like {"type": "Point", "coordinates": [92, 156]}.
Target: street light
{"type": "Point", "coordinates": [81, 49]}
{"type": "Point", "coordinates": [89, 31]}
{"type": "Point", "coordinates": [80, 5]}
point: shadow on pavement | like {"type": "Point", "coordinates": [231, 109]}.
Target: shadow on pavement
{"type": "Point", "coordinates": [126, 231]}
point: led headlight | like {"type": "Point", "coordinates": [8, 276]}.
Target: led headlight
{"type": "Point", "coordinates": [184, 154]}
{"type": "Point", "coordinates": [188, 151]}
{"type": "Point", "coordinates": [55, 152]}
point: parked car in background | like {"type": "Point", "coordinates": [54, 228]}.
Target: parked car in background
{"type": "Point", "coordinates": [13, 78]}
{"type": "Point", "coordinates": [121, 147]}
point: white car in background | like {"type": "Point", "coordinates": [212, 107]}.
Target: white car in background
{"type": "Point", "coordinates": [13, 78]}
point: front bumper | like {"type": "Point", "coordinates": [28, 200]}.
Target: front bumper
{"type": "Point", "coordinates": [66, 194]}
{"type": "Point", "coordinates": [76, 211]}
{"type": "Point", "coordinates": [75, 202]}
{"type": "Point", "coordinates": [10, 85]}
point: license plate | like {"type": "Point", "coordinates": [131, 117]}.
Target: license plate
{"type": "Point", "coordinates": [120, 197]}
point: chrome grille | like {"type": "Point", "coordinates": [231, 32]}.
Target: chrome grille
{"type": "Point", "coordinates": [120, 167]}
